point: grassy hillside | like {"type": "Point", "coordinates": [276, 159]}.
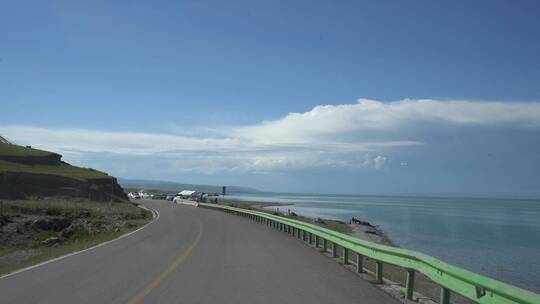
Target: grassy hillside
{"type": "Point", "coordinates": [15, 150]}
{"type": "Point", "coordinates": [50, 208]}
{"type": "Point", "coordinates": [61, 169]}
{"type": "Point", "coordinates": [53, 168]}
{"type": "Point", "coordinates": [27, 172]}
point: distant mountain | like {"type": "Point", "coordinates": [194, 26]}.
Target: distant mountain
{"type": "Point", "coordinates": [167, 186]}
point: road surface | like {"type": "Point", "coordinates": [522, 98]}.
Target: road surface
{"type": "Point", "coordinates": [193, 255]}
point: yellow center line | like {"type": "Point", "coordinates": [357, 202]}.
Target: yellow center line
{"type": "Point", "coordinates": [141, 295]}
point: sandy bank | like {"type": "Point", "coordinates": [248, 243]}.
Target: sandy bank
{"type": "Point", "coordinates": [363, 230]}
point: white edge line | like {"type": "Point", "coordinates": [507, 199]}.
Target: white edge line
{"type": "Point", "coordinates": [155, 214]}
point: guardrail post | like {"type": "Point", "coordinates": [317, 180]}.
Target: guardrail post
{"type": "Point", "coordinates": [310, 238]}
{"type": "Point", "coordinates": [317, 241]}
{"type": "Point", "coordinates": [378, 271]}
{"type": "Point", "coordinates": [359, 263]}
{"type": "Point", "coordinates": [299, 233]}
{"type": "Point", "coordinates": [334, 250]}
{"type": "Point", "coordinates": [345, 256]}
{"type": "Point", "coordinates": [445, 296]}
{"type": "Point", "coordinates": [409, 284]}
{"type": "Point", "coordinates": [325, 245]}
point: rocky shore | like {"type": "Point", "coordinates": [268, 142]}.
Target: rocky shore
{"type": "Point", "coordinates": [360, 229]}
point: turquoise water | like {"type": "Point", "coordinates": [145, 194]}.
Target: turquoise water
{"type": "Point", "coordinates": [499, 238]}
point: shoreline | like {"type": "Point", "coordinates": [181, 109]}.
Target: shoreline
{"type": "Point", "coordinates": [362, 230]}
{"type": "Point", "coordinates": [426, 290]}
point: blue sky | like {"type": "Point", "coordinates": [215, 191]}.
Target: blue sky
{"type": "Point", "coordinates": [305, 96]}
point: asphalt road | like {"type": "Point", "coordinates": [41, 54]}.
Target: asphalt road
{"type": "Point", "coordinates": [193, 255]}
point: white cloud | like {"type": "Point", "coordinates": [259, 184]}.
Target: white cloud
{"type": "Point", "coordinates": [370, 115]}
{"type": "Point", "coordinates": [326, 136]}
{"type": "Point", "coordinates": [189, 154]}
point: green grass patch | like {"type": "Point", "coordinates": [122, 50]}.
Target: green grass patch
{"type": "Point", "coordinates": [43, 253]}
{"type": "Point", "coordinates": [25, 242]}
{"type": "Point", "coordinates": [15, 150]}
{"type": "Point", "coordinates": [61, 169]}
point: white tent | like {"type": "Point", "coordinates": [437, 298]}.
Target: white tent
{"type": "Point", "coordinates": [186, 192]}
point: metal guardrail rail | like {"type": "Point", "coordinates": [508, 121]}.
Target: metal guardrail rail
{"type": "Point", "coordinates": [473, 286]}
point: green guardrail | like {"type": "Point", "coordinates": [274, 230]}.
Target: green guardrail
{"type": "Point", "coordinates": [473, 286]}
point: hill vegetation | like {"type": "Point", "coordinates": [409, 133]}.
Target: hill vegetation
{"type": "Point", "coordinates": [49, 208]}
{"type": "Point", "coordinates": [16, 150]}
{"type": "Point", "coordinates": [32, 231]}
{"type": "Point", "coordinates": [26, 172]}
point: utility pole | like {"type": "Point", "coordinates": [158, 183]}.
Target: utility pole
{"type": "Point", "coordinates": [223, 192]}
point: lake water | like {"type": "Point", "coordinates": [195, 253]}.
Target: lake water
{"type": "Point", "coordinates": [499, 238]}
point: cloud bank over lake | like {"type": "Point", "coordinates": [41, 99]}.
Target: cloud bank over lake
{"type": "Point", "coordinates": [357, 136]}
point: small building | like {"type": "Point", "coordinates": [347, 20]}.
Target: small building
{"type": "Point", "coordinates": [187, 194]}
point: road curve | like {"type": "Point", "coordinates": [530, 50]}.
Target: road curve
{"type": "Point", "coordinates": [193, 255]}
